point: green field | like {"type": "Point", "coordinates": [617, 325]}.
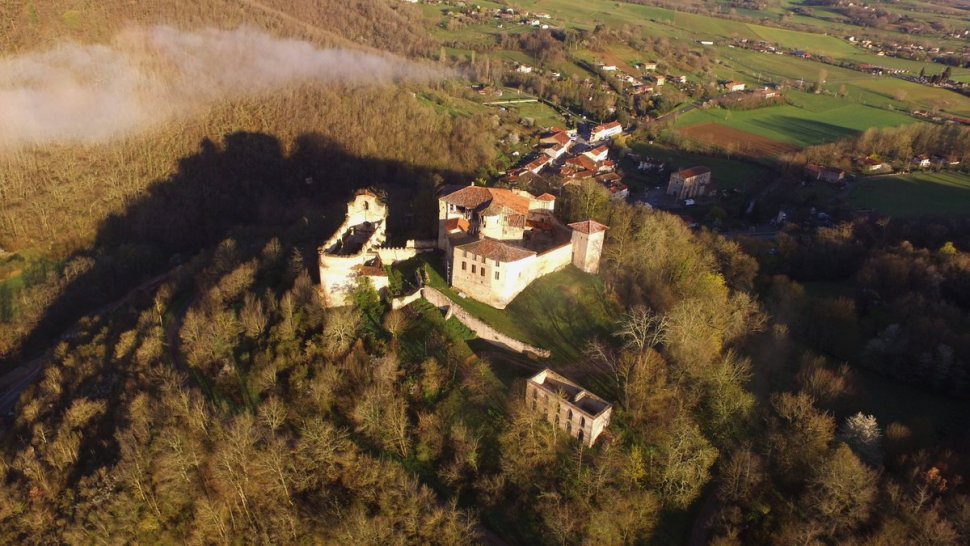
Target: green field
{"type": "Point", "coordinates": [799, 126]}
{"type": "Point", "coordinates": [540, 114]}
{"type": "Point", "coordinates": [918, 194]}
{"type": "Point", "coordinates": [558, 312]}
{"type": "Point", "coordinates": [726, 173]}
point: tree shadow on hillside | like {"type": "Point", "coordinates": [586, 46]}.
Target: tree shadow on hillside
{"type": "Point", "coordinates": [811, 131]}
{"type": "Point", "coordinates": [245, 184]}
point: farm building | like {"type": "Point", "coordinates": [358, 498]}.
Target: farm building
{"type": "Point", "coordinates": [690, 183]}
{"type": "Point", "coordinates": [824, 174]}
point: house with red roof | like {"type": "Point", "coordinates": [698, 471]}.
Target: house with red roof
{"type": "Point", "coordinates": [605, 131]}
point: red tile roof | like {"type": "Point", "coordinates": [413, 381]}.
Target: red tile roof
{"type": "Point", "coordinates": [693, 171]}
{"type": "Point", "coordinates": [588, 226]}
{"type": "Point", "coordinates": [469, 197]}
{"type": "Point", "coordinates": [559, 137]}
{"type": "Point", "coordinates": [605, 126]}
{"type": "Point", "coordinates": [456, 224]}
{"type": "Point", "coordinates": [371, 271]}
{"type": "Point", "coordinates": [477, 197]}
{"type": "Point", "coordinates": [583, 162]}
{"type": "Point", "coordinates": [497, 250]}
{"type": "Point", "coordinates": [546, 197]}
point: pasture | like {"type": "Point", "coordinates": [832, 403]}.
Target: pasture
{"type": "Point", "coordinates": [726, 173]}
{"type": "Point", "coordinates": [916, 194]}
{"type": "Point", "coordinates": [733, 140]}
{"type": "Point", "coordinates": [797, 126]}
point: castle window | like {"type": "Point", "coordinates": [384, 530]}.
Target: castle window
{"type": "Point", "coordinates": [580, 436]}
{"type": "Point", "coordinates": [473, 268]}
{"type": "Point", "coordinates": [463, 264]}
{"type": "Point", "coordinates": [483, 270]}
{"type": "Point", "coordinates": [496, 275]}
{"type": "Point", "coordinates": [496, 263]}
{"type": "Point", "coordinates": [582, 421]}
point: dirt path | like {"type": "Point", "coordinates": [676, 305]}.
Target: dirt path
{"type": "Point", "coordinates": [324, 34]}
{"type": "Point", "coordinates": [14, 382]}
{"type": "Point", "coordinates": [699, 532]}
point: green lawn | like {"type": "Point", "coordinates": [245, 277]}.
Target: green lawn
{"type": "Point", "coordinates": [800, 126]}
{"type": "Point", "coordinates": [541, 114]}
{"type": "Point", "coordinates": [919, 194]}
{"type": "Point", "coordinates": [560, 312]}
{"type": "Point", "coordinates": [726, 173]}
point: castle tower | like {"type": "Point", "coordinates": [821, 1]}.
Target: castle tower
{"type": "Point", "coordinates": [587, 241]}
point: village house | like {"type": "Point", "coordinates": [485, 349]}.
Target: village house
{"type": "Point", "coordinates": [869, 164]}
{"type": "Point", "coordinates": [613, 182]}
{"type": "Point", "coordinates": [825, 174]}
{"type": "Point", "coordinates": [734, 86]}
{"type": "Point", "coordinates": [497, 241]}
{"type": "Point", "coordinates": [558, 150]}
{"type": "Point", "coordinates": [555, 137]}
{"type": "Point", "coordinates": [535, 166]}
{"type": "Point", "coordinates": [922, 161]}
{"type": "Point", "coordinates": [606, 130]}
{"type": "Point", "coordinates": [649, 65]}
{"type": "Point", "coordinates": [690, 183]}
{"type": "Point", "coordinates": [567, 406]}
{"type": "Point", "coordinates": [598, 154]}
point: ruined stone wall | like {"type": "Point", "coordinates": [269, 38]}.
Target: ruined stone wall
{"type": "Point", "coordinates": [482, 330]}
{"type": "Point", "coordinates": [566, 416]}
{"type": "Point", "coordinates": [404, 301]}
{"type": "Point", "coordinates": [390, 255]}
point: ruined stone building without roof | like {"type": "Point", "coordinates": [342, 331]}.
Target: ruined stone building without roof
{"type": "Point", "coordinates": [497, 241]}
{"type": "Point", "coordinates": [356, 250]}
{"type": "Point", "coordinates": [566, 405]}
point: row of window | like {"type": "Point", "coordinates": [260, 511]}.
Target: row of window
{"type": "Point", "coordinates": [569, 411]}
{"type": "Point", "coordinates": [475, 269]}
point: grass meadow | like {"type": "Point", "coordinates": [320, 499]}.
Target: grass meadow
{"type": "Point", "coordinates": [916, 194]}
{"type": "Point", "coordinates": [799, 126]}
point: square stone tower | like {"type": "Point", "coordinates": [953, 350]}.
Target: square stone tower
{"type": "Point", "coordinates": [587, 241]}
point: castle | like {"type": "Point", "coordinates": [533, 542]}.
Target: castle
{"type": "Point", "coordinates": [580, 413]}
{"type": "Point", "coordinates": [356, 250]}
{"type": "Point", "coordinates": [497, 241]}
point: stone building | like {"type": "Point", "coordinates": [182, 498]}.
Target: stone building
{"type": "Point", "coordinates": [357, 250]}
{"type": "Point", "coordinates": [690, 183]}
{"type": "Point", "coordinates": [497, 241]}
{"type": "Point", "coordinates": [566, 405]}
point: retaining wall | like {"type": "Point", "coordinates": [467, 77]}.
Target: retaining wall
{"type": "Point", "coordinates": [481, 329]}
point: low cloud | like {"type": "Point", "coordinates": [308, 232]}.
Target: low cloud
{"type": "Point", "coordinates": [92, 93]}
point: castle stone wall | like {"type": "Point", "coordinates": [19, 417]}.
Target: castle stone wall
{"type": "Point", "coordinates": [482, 330]}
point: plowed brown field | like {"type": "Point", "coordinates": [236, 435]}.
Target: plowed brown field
{"type": "Point", "coordinates": [737, 141]}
